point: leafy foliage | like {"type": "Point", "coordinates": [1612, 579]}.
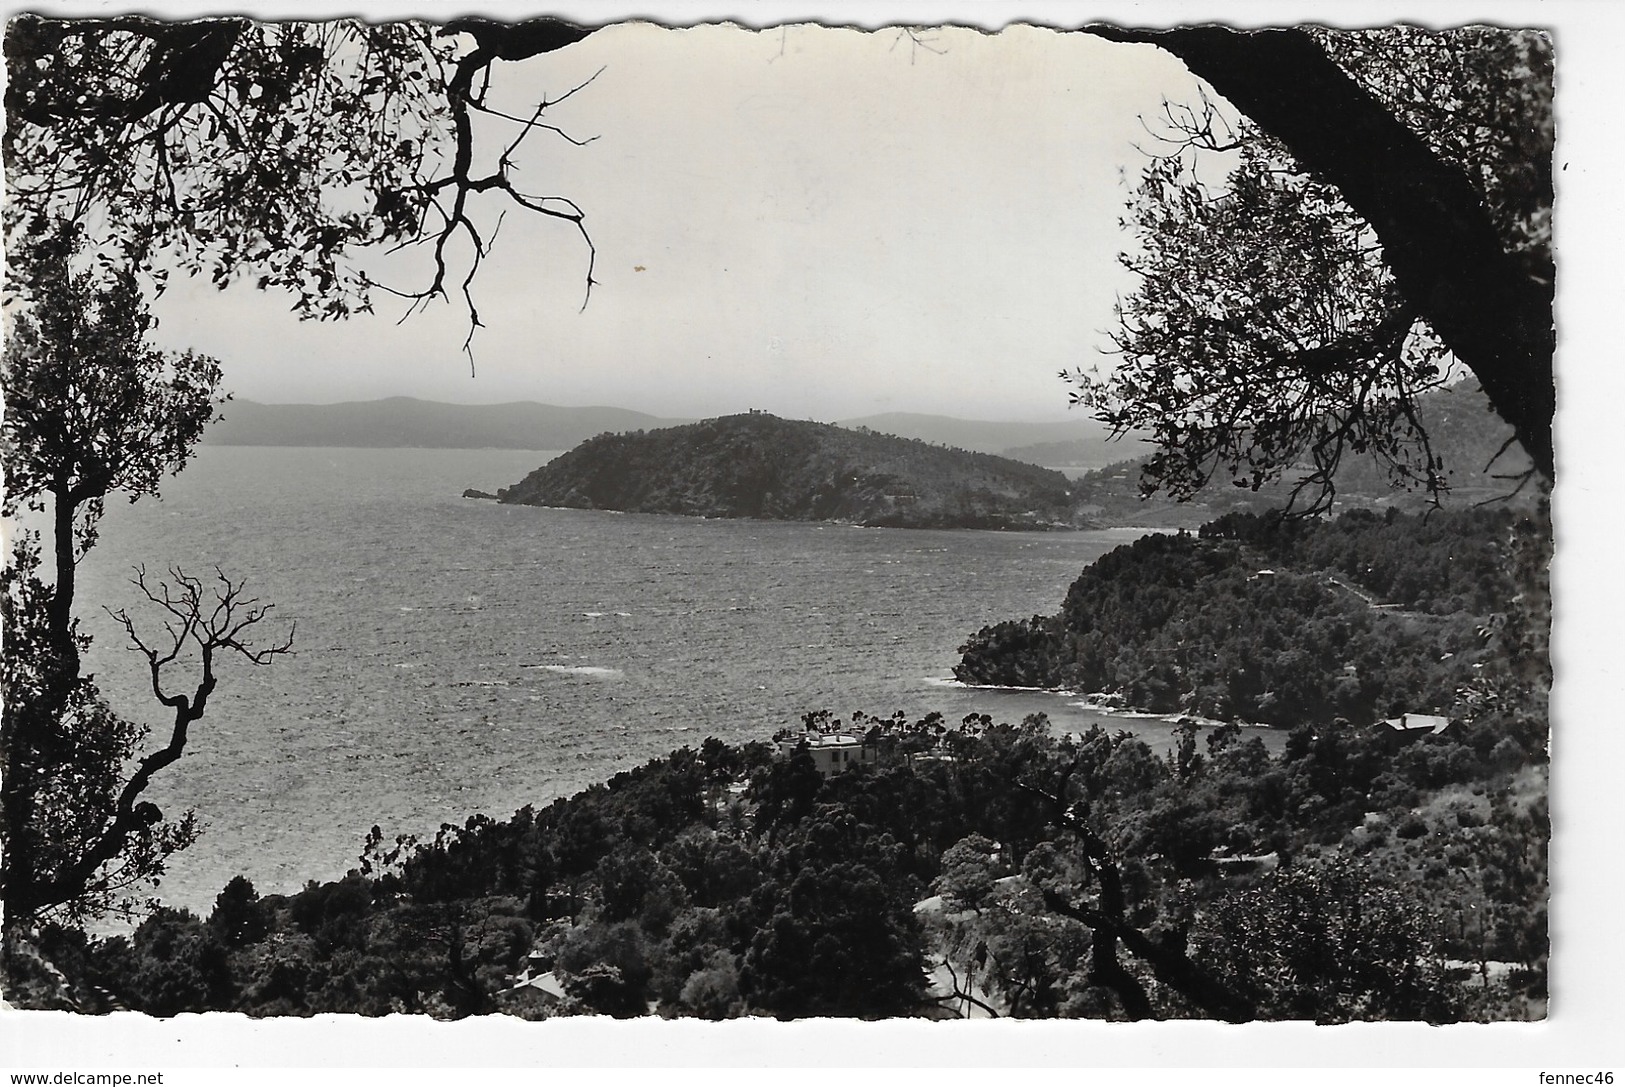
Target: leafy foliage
{"type": "Point", "coordinates": [93, 409]}
{"type": "Point", "coordinates": [1327, 942]}
{"type": "Point", "coordinates": [272, 150]}
{"type": "Point", "coordinates": [1262, 332]}
{"type": "Point", "coordinates": [1270, 332]}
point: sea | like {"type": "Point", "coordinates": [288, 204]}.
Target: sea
{"type": "Point", "coordinates": [455, 656]}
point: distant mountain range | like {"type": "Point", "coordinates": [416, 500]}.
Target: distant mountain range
{"type": "Point", "coordinates": [1080, 453]}
{"type": "Point", "coordinates": [1472, 443]}
{"type": "Point", "coordinates": [404, 422]}
{"type": "Point", "coordinates": [1465, 433]}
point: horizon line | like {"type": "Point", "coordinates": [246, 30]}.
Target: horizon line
{"type": "Point", "coordinates": [1081, 419]}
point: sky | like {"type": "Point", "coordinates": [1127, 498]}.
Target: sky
{"type": "Point", "coordinates": [822, 223]}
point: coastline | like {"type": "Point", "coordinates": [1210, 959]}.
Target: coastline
{"type": "Point", "coordinates": [1105, 705]}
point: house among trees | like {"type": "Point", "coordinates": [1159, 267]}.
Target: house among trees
{"type": "Point", "coordinates": [542, 985]}
{"type": "Point", "coordinates": [833, 752]}
{"type": "Point", "coordinates": [1407, 728]}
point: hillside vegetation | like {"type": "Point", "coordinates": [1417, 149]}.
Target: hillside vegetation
{"type": "Point", "coordinates": [996, 869]}
{"type": "Point", "coordinates": [1284, 623]}
{"type": "Point", "coordinates": [761, 466]}
{"type": "Point", "coordinates": [953, 875]}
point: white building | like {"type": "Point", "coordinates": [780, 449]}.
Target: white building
{"type": "Point", "coordinates": [832, 753]}
{"type": "Point", "coordinates": [1413, 726]}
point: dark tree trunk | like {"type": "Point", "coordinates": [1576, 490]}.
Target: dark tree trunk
{"type": "Point", "coordinates": [60, 615]}
{"type": "Point", "coordinates": [27, 744]}
{"type": "Point", "coordinates": [1493, 312]}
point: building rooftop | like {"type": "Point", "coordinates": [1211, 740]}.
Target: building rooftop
{"type": "Point", "coordinates": [833, 739]}
{"type": "Point", "coordinates": [1417, 722]}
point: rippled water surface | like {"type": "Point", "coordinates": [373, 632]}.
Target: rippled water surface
{"type": "Point", "coordinates": [456, 656]}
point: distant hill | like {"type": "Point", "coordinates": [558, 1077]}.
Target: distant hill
{"type": "Point", "coordinates": [1467, 434]}
{"type": "Point", "coordinates": [1081, 453]}
{"type": "Point", "coordinates": [1464, 432]}
{"type": "Point", "coordinates": [404, 422]}
{"type": "Point", "coordinates": [982, 436]}
{"type": "Point", "coordinates": [761, 466]}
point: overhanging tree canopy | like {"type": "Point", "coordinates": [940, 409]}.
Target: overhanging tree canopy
{"type": "Point", "coordinates": [273, 151]}
{"type": "Point", "coordinates": [1458, 195]}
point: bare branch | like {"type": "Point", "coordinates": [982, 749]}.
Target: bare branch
{"type": "Point", "coordinates": [195, 625]}
{"type": "Point", "coordinates": [962, 992]}
{"type": "Point", "coordinates": [1523, 480]}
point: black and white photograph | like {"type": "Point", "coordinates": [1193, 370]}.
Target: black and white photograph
{"type": "Point", "coordinates": [517, 516]}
